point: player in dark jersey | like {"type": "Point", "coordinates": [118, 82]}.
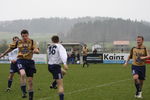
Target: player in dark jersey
{"type": "Point", "coordinates": [27, 47]}
{"type": "Point", "coordinates": [138, 65]}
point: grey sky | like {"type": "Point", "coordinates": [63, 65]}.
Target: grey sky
{"type": "Point", "coordinates": [27, 9]}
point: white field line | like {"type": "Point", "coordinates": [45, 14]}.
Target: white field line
{"type": "Point", "coordinates": [98, 86]}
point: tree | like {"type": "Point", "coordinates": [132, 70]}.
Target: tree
{"type": "Point", "coordinates": [3, 45]}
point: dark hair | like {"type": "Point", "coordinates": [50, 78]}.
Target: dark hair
{"type": "Point", "coordinates": [140, 37]}
{"type": "Point", "coordinates": [15, 37]}
{"type": "Point", "coordinates": [24, 32]}
{"type": "Point", "coordinates": [55, 39]}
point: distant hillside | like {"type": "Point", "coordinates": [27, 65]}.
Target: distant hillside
{"type": "Point", "coordinates": [146, 23]}
{"type": "Point", "coordinates": [44, 25]}
{"type": "Point", "coordinates": [86, 29]}
{"type": "Point", "coordinates": [109, 30]}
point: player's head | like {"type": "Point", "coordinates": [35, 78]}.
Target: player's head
{"type": "Point", "coordinates": [55, 39]}
{"type": "Point", "coordinates": [140, 40]}
{"type": "Point", "coordinates": [85, 45]}
{"type": "Point", "coordinates": [15, 38]}
{"type": "Point", "coordinates": [25, 34]}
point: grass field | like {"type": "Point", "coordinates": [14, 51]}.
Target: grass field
{"type": "Point", "coordinates": [98, 82]}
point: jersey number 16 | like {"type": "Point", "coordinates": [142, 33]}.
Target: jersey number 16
{"type": "Point", "coordinates": [52, 50]}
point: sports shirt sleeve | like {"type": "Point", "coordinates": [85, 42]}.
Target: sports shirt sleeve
{"type": "Point", "coordinates": [131, 53]}
{"type": "Point", "coordinates": [13, 45]}
{"type": "Point", "coordinates": [35, 45]}
{"type": "Point", "coordinates": [147, 53]}
{"type": "Point", "coordinates": [63, 54]}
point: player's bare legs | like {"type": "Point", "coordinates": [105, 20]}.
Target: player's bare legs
{"type": "Point", "coordinates": [11, 75]}
{"type": "Point", "coordinates": [141, 83]}
{"type": "Point", "coordinates": [54, 83]}
{"type": "Point", "coordinates": [138, 85]}
{"type": "Point", "coordinates": [60, 88]}
{"type": "Point", "coordinates": [23, 82]}
{"type": "Point", "coordinates": [10, 79]}
{"type": "Point", "coordinates": [30, 87]}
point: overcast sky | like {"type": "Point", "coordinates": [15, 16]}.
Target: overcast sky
{"type": "Point", "coordinates": [27, 9]}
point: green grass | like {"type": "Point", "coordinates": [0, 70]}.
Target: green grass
{"type": "Point", "coordinates": [98, 82]}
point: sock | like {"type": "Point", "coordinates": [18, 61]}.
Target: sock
{"type": "Point", "coordinates": [138, 88]}
{"type": "Point", "coordinates": [83, 64]}
{"type": "Point", "coordinates": [9, 83]}
{"type": "Point", "coordinates": [54, 83]}
{"type": "Point", "coordinates": [31, 95]}
{"type": "Point", "coordinates": [23, 88]}
{"type": "Point", "coordinates": [87, 64]}
{"type": "Point", "coordinates": [61, 96]}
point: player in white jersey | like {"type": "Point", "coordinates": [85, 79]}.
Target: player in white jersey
{"type": "Point", "coordinates": [13, 66]}
{"type": "Point", "coordinates": [57, 55]}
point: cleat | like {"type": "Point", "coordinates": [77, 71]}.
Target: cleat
{"type": "Point", "coordinates": [24, 95]}
{"type": "Point", "coordinates": [8, 90]}
{"type": "Point", "coordinates": [138, 95]}
{"type": "Point", "coordinates": [53, 87]}
{"type": "Point", "coordinates": [88, 65]}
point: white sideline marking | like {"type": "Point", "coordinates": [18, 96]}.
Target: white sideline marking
{"type": "Point", "coordinates": [98, 86]}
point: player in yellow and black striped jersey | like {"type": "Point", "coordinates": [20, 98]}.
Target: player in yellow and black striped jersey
{"type": "Point", "coordinates": [85, 53]}
{"type": "Point", "coordinates": [13, 64]}
{"type": "Point", "coordinates": [26, 48]}
{"type": "Point", "coordinates": [138, 65]}
{"type": "Point", "coordinates": [136, 54]}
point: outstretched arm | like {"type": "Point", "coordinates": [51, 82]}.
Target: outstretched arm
{"type": "Point", "coordinates": [6, 52]}
{"type": "Point", "coordinates": [12, 46]}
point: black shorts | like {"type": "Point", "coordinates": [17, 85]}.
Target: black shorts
{"type": "Point", "coordinates": [84, 58]}
{"type": "Point", "coordinates": [139, 70]}
{"type": "Point", "coordinates": [27, 65]}
{"type": "Point", "coordinates": [56, 71]}
{"type": "Point", "coordinates": [13, 67]}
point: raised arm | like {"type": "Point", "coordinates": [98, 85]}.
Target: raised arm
{"type": "Point", "coordinates": [6, 52]}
